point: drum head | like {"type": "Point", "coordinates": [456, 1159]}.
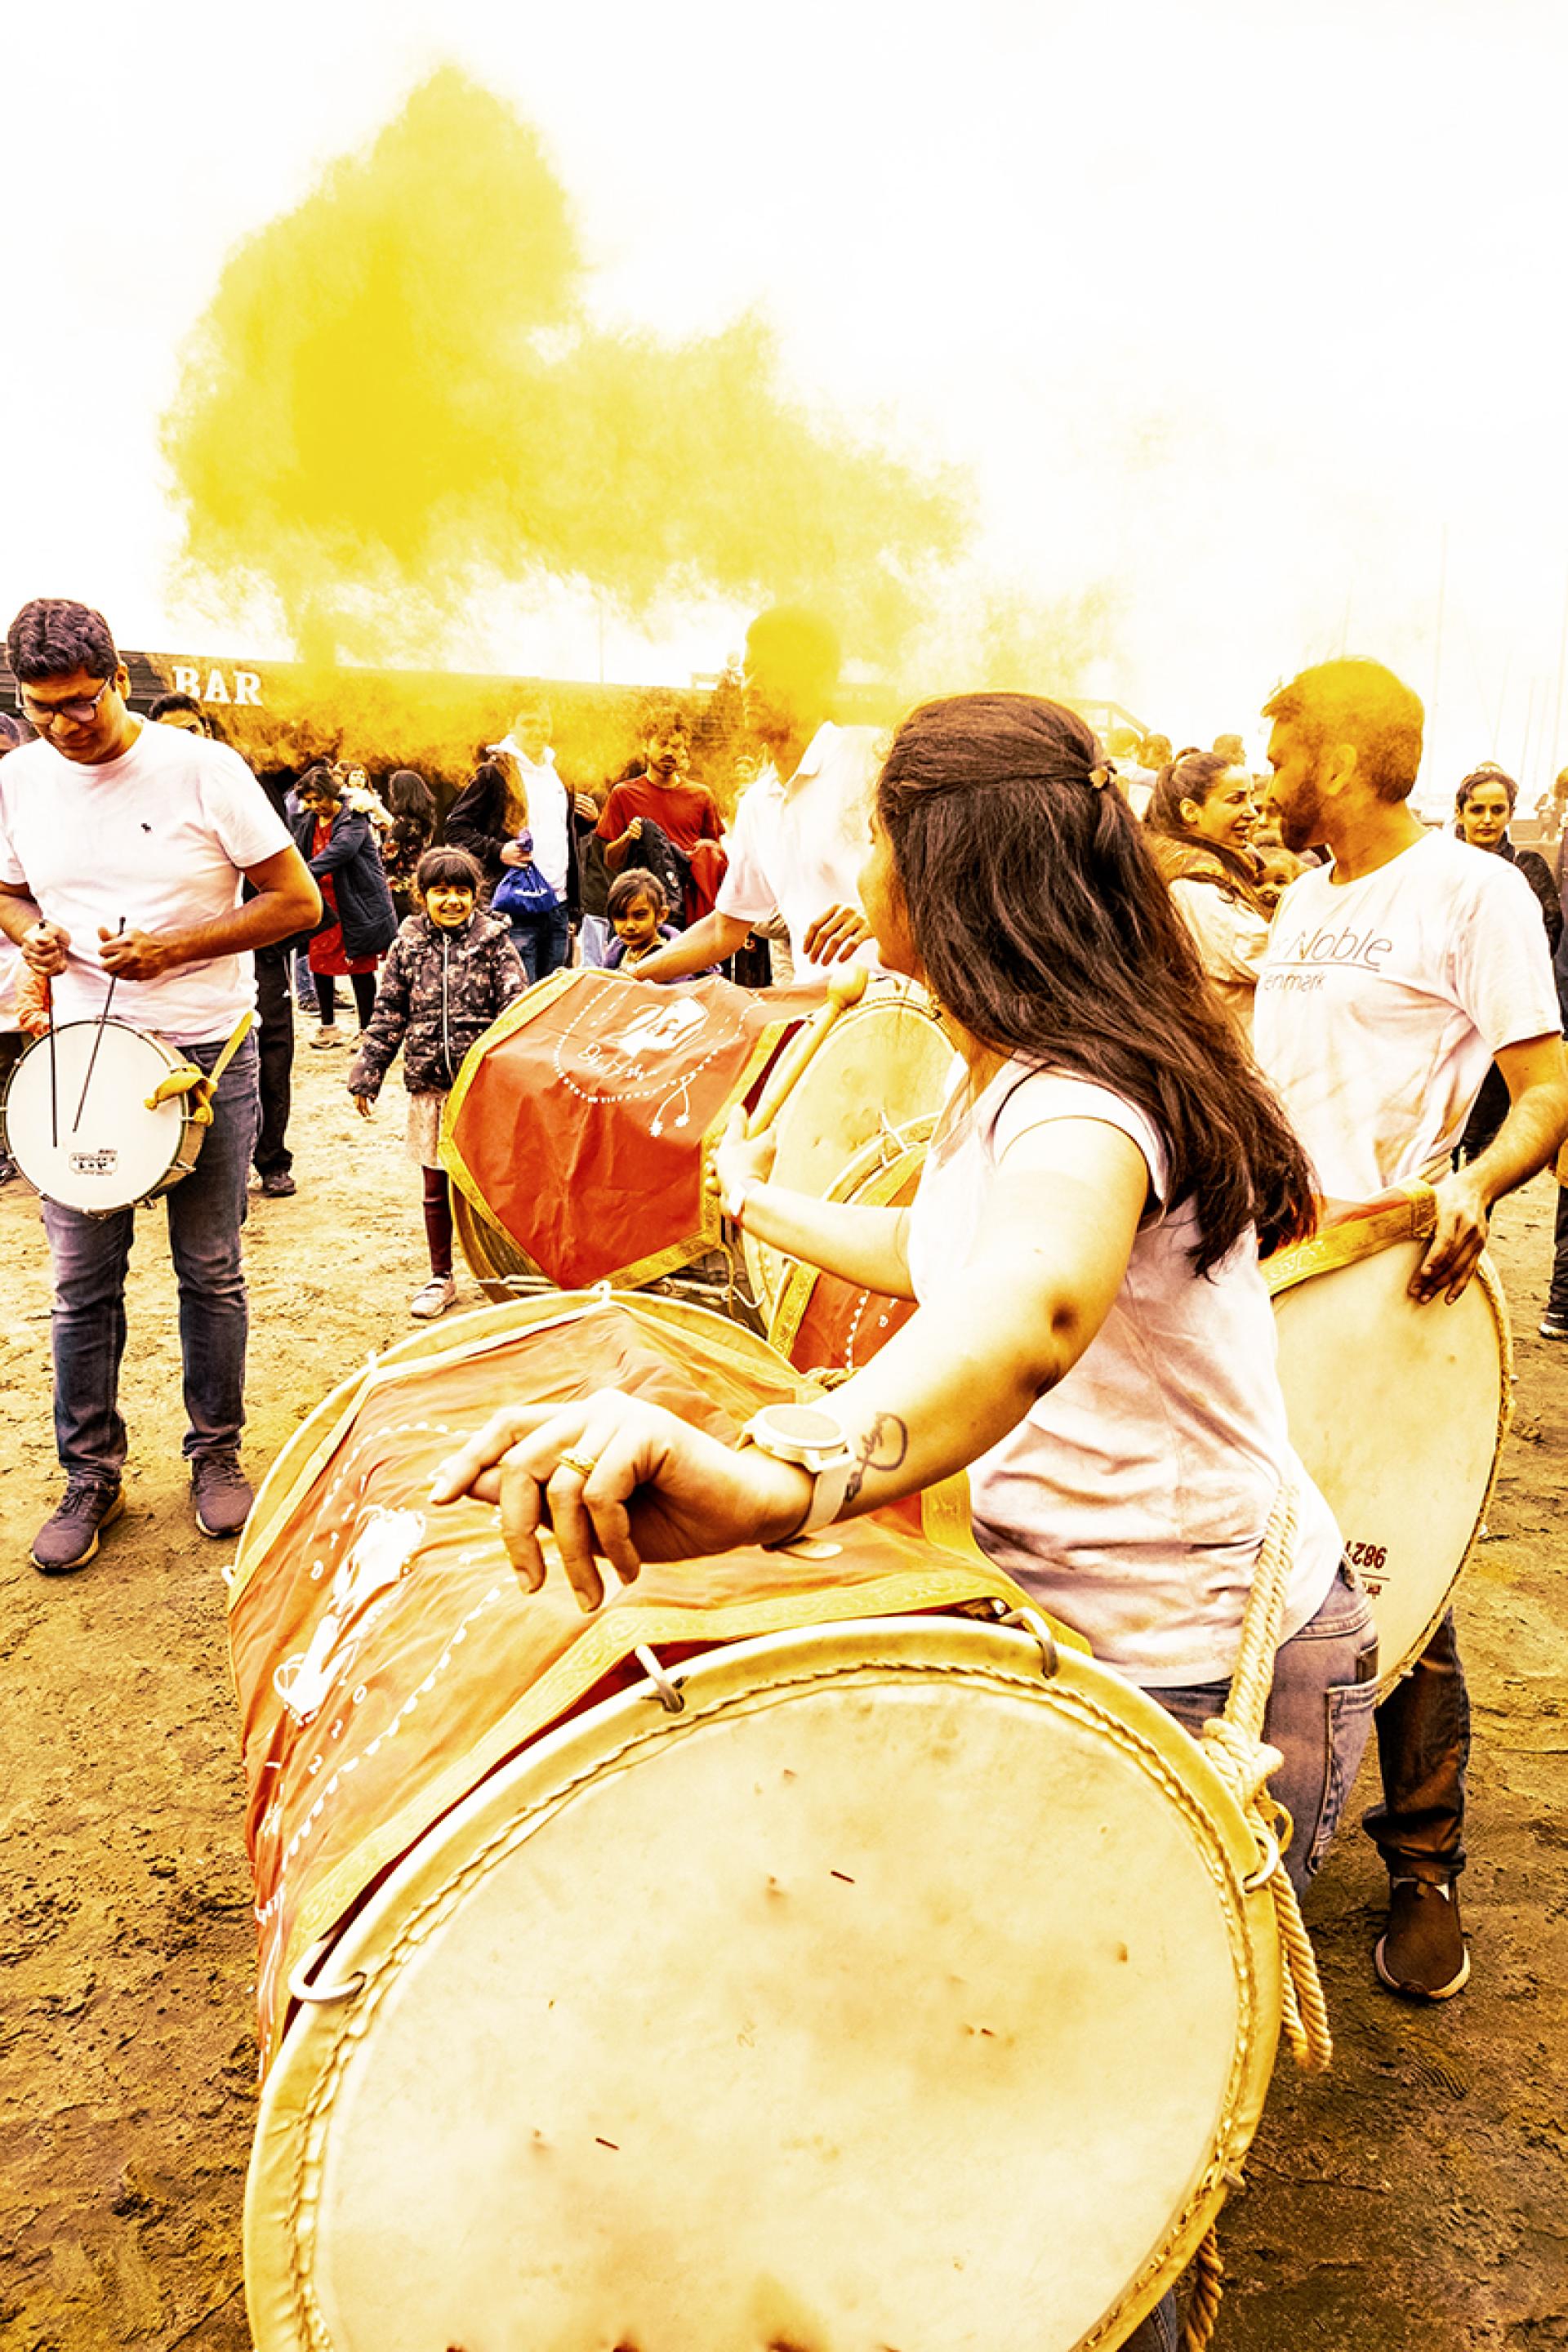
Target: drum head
{"type": "Point", "coordinates": [117, 1150]}
{"type": "Point", "coordinates": [890, 1994]}
{"type": "Point", "coordinates": [1397, 1410]}
{"type": "Point", "coordinates": [883, 1063]}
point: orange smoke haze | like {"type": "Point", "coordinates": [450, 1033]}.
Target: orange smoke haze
{"type": "Point", "coordinates": [397, 403]}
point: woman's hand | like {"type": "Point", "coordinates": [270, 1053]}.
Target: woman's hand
{"type": "Point", "coordinates": [616, 1476]}
{"type": "Point", "coordinates": [738, 1160]}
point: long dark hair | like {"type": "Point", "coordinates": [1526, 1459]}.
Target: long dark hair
{"type": "Point", "coordinates": [1193, 777]}
{"type": "Point", "coordinates": [1043, 926]}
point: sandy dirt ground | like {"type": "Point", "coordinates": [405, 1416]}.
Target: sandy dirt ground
{"type": "Point", "coordinates": [1415, 2197]}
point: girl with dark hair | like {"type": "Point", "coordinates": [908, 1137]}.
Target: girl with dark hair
{"type": "Point", "coordinates": [1095, 1341]}
{"type": "Point", "coordinates": [1200, 818]}
{"type": "Point", "coordinates": [359, 922]}
{"type": "Point", "coordinates": [451, 971]}
{"type": "Point", "coordinates": [412, 807]}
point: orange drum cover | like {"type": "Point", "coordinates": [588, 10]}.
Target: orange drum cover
{"type": "Point", "coordinates": [579, 1121]}
{"type": "Point", "coordinates": [386, 1657]}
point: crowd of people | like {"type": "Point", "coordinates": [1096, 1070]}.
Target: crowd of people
{"type": "Point", "coordinates": [1188, 1002]}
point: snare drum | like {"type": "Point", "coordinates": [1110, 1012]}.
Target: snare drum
{"type": "Point", "coordinates": [106, 1152]}
{"type": "Point", "coordinates": [791, 1952]}
{"type": "Point", "coordinates": [1399, 1412]}
{"type": "Point", "coordinates": [883, 1066]}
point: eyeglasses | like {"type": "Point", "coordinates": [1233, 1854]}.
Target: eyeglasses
{"type": "Point", "coordinates": [82, 712]}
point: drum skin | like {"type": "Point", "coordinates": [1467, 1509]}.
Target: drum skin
{"type": "Point", "coordinates": [904, 1986]}
{"type": "Point", "coordinates": [117, 1153]}
{"type": "Point", "coordinates": [884, 1065]}
{"type": "Point", "coordinates": [1399, 1413]}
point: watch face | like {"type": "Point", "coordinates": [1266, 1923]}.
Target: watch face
{"type": "Point", "coordinates": [801, 1424]}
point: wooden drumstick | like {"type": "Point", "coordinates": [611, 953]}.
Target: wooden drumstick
{"type": "Point", "coordinates": [845, 988]}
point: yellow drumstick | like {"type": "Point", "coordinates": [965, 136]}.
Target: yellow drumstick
{"type": "Point", "coordinates": [845, 988]}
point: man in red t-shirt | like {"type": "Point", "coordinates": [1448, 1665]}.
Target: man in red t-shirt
{"type": "Point", "coordinates": [687, 813]}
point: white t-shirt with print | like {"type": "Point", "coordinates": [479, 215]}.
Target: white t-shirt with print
{"type": "Point", "coordinates": [1382, 1001]}
{"type": "Point", "coordinates": [1132, 1500]}
{"type": "Point", "coordinates": [160, 836]}
{"type": "Point", "coordinates": [799, 847]}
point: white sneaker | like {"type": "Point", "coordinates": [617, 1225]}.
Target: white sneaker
{"type": "Point", "coordinates": [439, 1293]}
{"type": "Point", "coordinates": [325, 1037]}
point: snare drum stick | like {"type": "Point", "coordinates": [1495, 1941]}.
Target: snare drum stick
{"type": "Point", "coordinates": [843, 989]}
{"type": "Point", "coordinates": [54, 1072]}
{"type": "Point", "coordinates": [97, 1038]}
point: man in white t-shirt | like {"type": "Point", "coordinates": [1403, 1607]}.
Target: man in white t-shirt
{"type": "Point", "coordinates": [799, 836]}
{"type": "Point", "coordinates": [1392, 978]}
{"type": "Point", "coordinates": [123, 848]}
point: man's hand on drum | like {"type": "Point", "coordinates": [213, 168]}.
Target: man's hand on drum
{"type": "Point", "coordinates": [834, 934]}
{"type": "Point", "coordinates": [134, 955]}
{"type": "Point", "coordinates": [739, 1161]}
{"type": "Point", "coordinates": [621, 1479]}
{"type": "Point", "coordinates": [1458, 1240]}
{"type": "Point", "coordinates": [43, 948]}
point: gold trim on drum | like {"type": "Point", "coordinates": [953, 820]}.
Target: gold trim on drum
{"type": "Point", "coordinates": [1412, 1219]}
{"type": "Point", "coordinates": [314, 2075]}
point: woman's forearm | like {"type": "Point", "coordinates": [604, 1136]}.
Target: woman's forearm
{"type": "Point", "coordinates": [860, 1245]}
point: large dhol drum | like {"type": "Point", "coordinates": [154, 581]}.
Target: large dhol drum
{"type": "Point", "coordinates": [1398, 1410]}
{"type": "Point", "coordinates": [791, 1953]}
{"type": "Point", "coordinates": [881, 1071]}
{"type": "Point", "coordinates": [825, 1326]}
{"type": "Point", "coordinates": [90, 1141]}
{"type": "Point", "coordinates": [578, 1126]}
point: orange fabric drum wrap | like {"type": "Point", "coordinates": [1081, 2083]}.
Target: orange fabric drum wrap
{"type": "Point", "coordinates": [386, 1657]}
{"type": "Point", "coordinates": [579, 1119]}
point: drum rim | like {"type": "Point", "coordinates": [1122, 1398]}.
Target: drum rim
{"type": "Point", "coordinates": [427, 1883]}
{"type": "Point", "coordinates": [896, 996]}
{"type": "Point", "coordinates": [177, 1166]}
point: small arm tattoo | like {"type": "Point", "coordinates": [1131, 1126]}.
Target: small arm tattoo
{"type": "Point", "coordinates": [886, 1436]}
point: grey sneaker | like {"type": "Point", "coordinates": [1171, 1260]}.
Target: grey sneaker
{"type": "Point", "coordinates": [69, 1538]}
{"type": "Point", "coordinates": [1554, 1325]}
{"type": "Point", "coordinates": [326, 1038]}
{"type": "Point", "coordinates": [222, 1494]}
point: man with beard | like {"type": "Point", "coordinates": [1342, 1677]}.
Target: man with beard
{"type": "Point", "coordinates": [684, 813]}
{"type": "Point", "coordinates": [1394, 975]}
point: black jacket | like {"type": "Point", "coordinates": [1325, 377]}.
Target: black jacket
{"type": "Point", "coordinates": [477, 822]}
{"type": "Point", "coordinates": [440, 991]}
{"type": "Point", "coordinates": [352, 860]}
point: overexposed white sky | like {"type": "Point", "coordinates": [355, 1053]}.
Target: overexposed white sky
{"type": "Point", "coordinates": [1244, 313]}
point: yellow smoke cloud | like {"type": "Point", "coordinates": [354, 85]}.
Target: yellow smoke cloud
{"type": "Point", "coordinates": [397, 400]}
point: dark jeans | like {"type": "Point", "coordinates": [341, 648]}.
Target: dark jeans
{"type": "Point", "coordinates": [543, 941]}
{"type": "Point", "coordinates": [91, 1256]}
{"type": "Point", "coordinates": [1423, 1748]}
{"type": "Point", "coordinates": [276, 1036]}
{"type": "Point", "coordinates": [1557, 1297]}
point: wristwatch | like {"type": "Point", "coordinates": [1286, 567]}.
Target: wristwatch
{"type": "Point", "coordinates": [809, 1436]}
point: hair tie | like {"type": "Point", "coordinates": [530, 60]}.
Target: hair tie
{"type": "Point", "coordinates": [1100, 777]}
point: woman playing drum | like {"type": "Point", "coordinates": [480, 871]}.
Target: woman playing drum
{"type": "Point", "coordinates": [1094, 1339]}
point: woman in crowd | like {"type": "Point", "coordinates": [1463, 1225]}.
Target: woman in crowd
{"type": "Point", "coordinates": [451, 971]}
{"type": "Point", "coordinates": [1200, 818]}
{"type": "Point", "coordinates": [412, 807]}
{"type": "Point", "coordinates": [1483, 811]}
{"type": "Point", "coordinates": [359, 921]}
{"type": "Point", "coordinates": [1095, 1340]}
